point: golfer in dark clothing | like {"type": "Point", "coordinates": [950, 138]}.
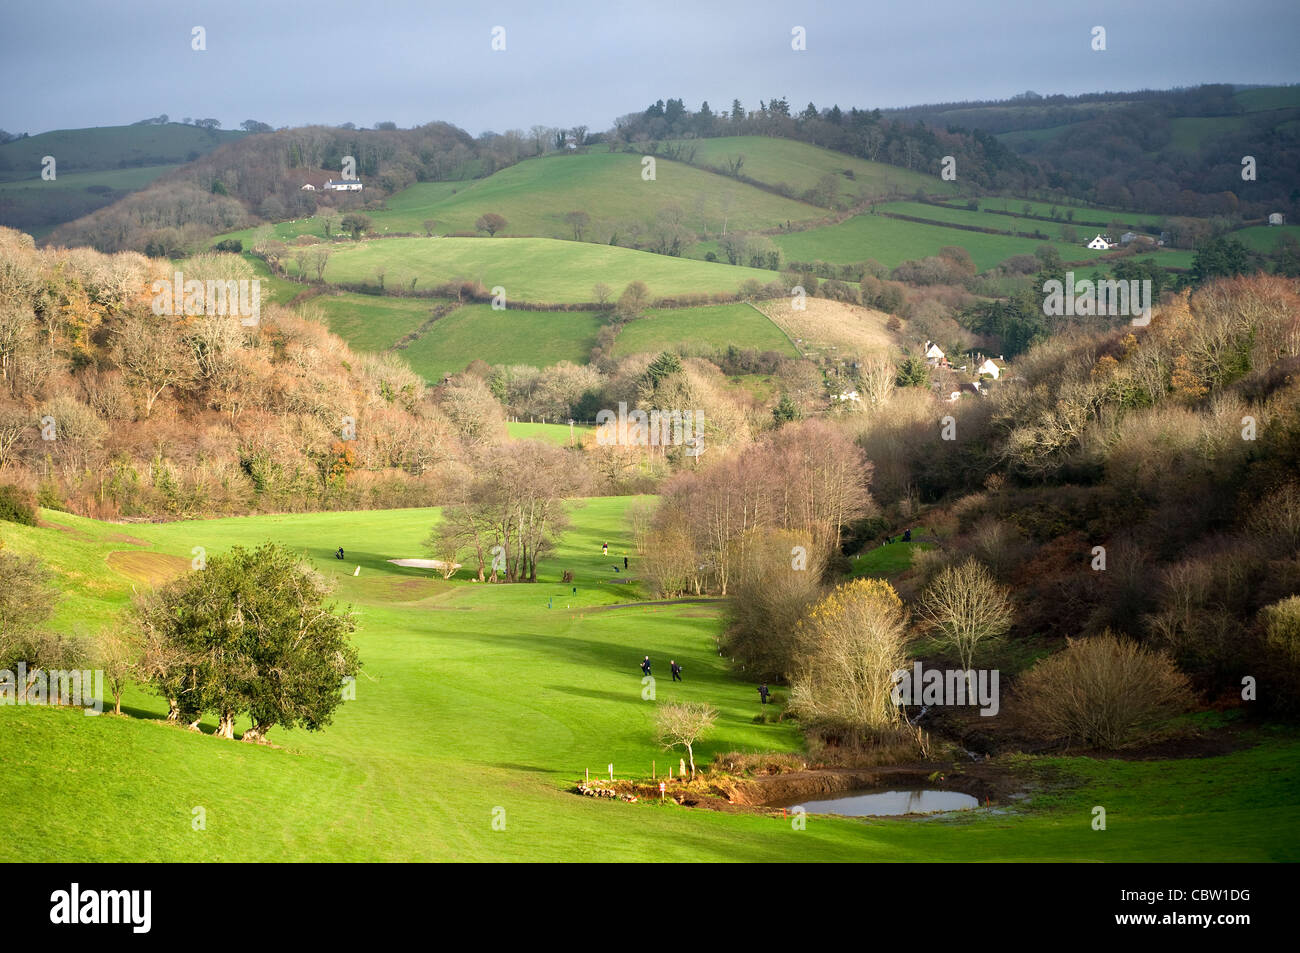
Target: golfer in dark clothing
{"type": "Point", "coordinates": [677, 671]}
{"type": "Point", "coordinates": [624, 562]}
{"type": "Point", "coordinates": [763, 692]}
{"type": "Point", "coordinates": [907, 536]}
{"type": "Point", "coordinates": [339, 554]}
{"type": "Point", "coordinates": [645, 665]}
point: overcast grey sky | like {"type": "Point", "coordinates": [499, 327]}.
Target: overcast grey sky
{"type": "Point", "coordinates": [70, 64]}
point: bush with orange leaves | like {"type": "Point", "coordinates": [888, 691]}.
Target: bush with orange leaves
{"type": "Point", "coordinates": [847, 649]}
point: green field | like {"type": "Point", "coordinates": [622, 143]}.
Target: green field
{"type": "Point", "coordinates": [477, 698]}
{"type": "Point", "coordinates": [1083, 225]}
{"type": "Point", "coordinates": [476, 332]}
{"type": "Point", "coordinates": [891, 242]}
{"type": "Point", "coordinates": [370, 322]}
{"type": "Point", "coordinates": [700, 330]}
{"type": "Point", "coordinates": [1264, 238]}
{"type": "Point", "coordinates": [798, 165]}
{"type": "Point", "coordinates": [533, 269]}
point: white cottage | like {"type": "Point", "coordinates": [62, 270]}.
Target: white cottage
{"type": "Point", "coordinates": [344, 185]}
{"type": "Point", "coordinates": [1099, 243]}
{"type": "Point", "coordinates": [933, 353]}
{"type": "Point", "coordinates": [989, 368]}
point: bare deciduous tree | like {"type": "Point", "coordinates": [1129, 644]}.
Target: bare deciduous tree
{"type": "Point", "coordinates": [681, 724]}
{"type": "Point", "coordinates": [965, 607]}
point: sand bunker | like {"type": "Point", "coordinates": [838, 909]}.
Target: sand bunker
{"type": "Point", "coordinates": [423, 563]}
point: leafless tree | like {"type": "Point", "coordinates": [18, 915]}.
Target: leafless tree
{"type": "Point", "coordinates": [682, 724]}
{"type": "Point", "coordinates": [964, 607]}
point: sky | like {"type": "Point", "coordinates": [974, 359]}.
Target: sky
{"type": "Point", "coordinates": [70, 64]}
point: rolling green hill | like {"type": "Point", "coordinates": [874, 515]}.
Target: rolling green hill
{"type": "Point", "coordinates": [798, 166]}
{"type": "Point", "coordinates": [532, 269]}
{"type": "Point", "coordinates": [535, 195]}
{"type": "Point", "coordinates": [109, 148]}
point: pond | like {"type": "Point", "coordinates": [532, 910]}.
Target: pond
{"type": "Point", "coordinates": [891, 803]}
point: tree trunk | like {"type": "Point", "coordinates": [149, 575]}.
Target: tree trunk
{"type": "Point", "coordinates": [257, 733]}
{"type": "Point", "coordinates": [194, 725]}
{"type": "Point", "coordinates": [173, 710]}
{"type": "Point", "coordinates": [226, 726]}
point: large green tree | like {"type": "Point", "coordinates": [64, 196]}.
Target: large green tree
{"type": "Point", "coordinates": [251, 633]}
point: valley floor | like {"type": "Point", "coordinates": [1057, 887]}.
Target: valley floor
{"type": "Point", "coordinates": [481, 702]}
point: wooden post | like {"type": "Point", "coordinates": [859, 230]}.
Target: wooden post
{"type": "Point", "coordinates": [653, 776]}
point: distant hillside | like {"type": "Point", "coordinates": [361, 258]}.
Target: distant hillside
{"type": "Point", "coordinates": [93, 168]}
{"type": "Point", "coordinates": [109, 147]}
{"type": "Point", "coordinates": [796, 169]}
{"type": "Point", "coordinates": [1174, 151]}
{"type": "Point", "coordinates": [536, 196]}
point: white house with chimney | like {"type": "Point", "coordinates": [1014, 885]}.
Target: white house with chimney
{"type": "Point", "coordinates": [989, 368]}
{"type": "Point", "coordinates": [1100, 243]}
{"type": "Point", "coordinates": [933, 353]}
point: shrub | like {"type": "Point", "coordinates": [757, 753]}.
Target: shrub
{"type": "Point", "coordinates": [1105, 692]}
{"type": "Point", "coordinates": [848, 648]}
{"type": "Point", "coordinates": [17, 506]}
{"type": "Point", "coordinates": [1281, 625]}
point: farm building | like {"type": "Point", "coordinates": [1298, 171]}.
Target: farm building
{"type": "Point", "coordinates": [344, 185]}
{"type": "Point", "coordinates": [1128, 238]}
{"type": "Point", "coordinates": [1276, 219]}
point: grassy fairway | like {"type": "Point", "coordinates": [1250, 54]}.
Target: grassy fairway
{"type": "Point", "coordinates": [698, 330]}
{"type": "Point", "coordinates": [533, 269]}
{"type": "Point", "coordinates": [557, 434]}
{"type": "Point", "coordinates": [478, 697]}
